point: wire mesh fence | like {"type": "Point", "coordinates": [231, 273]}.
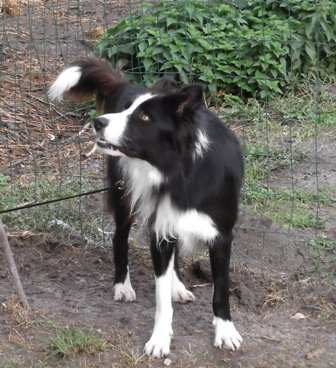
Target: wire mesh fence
{"type": "Point", "coordinates": [288, 204]}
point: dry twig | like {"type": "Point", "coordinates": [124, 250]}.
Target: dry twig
{"type": "Point", "coordinates": [12, 266]}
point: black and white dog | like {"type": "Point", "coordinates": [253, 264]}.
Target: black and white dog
{"type": "Point", "coordinates": [178, 168]}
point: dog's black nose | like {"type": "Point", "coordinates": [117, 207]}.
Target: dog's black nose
{"type": "Point", "coordinates": [100, 123]}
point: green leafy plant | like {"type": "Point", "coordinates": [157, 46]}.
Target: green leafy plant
{"type": "Point", "coordinates": [313, 31]}
{"type": "Point", "coordinates": [257, 47]}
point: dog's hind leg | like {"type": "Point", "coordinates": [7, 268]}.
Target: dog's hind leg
{"type": "Point", "coordinates": [226, 335]}
{"type": "Point", "coordinates": [163, 260]}
{"type": "Point", "coordinates": [179, 292]}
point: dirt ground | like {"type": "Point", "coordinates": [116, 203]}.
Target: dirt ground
{"type": "Point", "coordinates": [71, 284]}
{"type": "Point", "coordinates": [282, 307]}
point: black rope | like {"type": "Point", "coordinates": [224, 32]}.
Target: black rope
{"type": "Point", "coordinates": [31, 205]}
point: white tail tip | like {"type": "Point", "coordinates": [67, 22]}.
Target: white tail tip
{"type": "Point", "coordinates": [68, 79]}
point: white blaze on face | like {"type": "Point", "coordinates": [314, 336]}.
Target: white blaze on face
{"type": "Point", "coordinates": [114, 131]}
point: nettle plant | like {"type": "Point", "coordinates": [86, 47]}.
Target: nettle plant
{"type": "Point", "coordinates": [313, 33]}
{"type": "Point", "coordinates": [256, 48]}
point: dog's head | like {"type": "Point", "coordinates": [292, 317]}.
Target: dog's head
{"type": "Point", "coordinates": [143, 123]}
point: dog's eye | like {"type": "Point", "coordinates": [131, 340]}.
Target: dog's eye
{"type": "Point", "coordinates": [145, 118]}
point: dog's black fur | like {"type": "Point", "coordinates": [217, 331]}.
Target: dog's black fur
{"type": "Point", "coordinates": [197, 165]}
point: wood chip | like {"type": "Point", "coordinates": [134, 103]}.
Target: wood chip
{"type": "Point", "coordinates": [298, 316]}
{"type": "Point", "coordinates": [313, 354]}
{"type": "Point", "coordinates": [167, 362]}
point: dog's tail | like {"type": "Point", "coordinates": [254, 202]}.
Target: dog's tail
{"type": "Point", "coordinates": [84, 78]}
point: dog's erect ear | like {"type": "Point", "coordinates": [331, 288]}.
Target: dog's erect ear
{"type": "Point", "coordinates": [184, 100]}
{"type": "Point", "coordinates": [165, 84]}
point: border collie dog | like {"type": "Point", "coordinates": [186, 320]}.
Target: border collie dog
{"type": "Point", "coordinates": [175, 166]}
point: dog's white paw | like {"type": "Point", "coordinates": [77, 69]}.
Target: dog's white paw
{"type": "Point", "coordinates": [226, 335]}
{"type": "Point", "coordinates": [183, 296]}
{"type": "Point", "coordinates": [179, 292]}
{"type": "Point", "coordinates": [158, 345]}
{"type": "Point", "coordinates": [124, 292]}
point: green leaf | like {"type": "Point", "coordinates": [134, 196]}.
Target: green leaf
{"type": "Point", "coordinates": [142, 46]}
{"type": "Point", "coordinates": [296, 63]}
{"type": "Point", "coordinates": [311, 51]}
{"type": "Point", "coordinates": [147, 63]}
{"type": "Point", "coordinates": [170, 21]}
{"type": "Point", "coordinates": [329, 31]}
{"type": "Point", "coordinates": [283, 66]}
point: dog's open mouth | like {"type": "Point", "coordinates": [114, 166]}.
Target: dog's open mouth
{"type": "Point", "coordinates": [113, 150]}
{"type": "Point", "coordinates": [106, 145]}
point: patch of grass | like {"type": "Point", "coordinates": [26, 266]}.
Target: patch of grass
{"type": "Point", "coordinates": [130, 357]}
{"type": "Point", "coordinates": [13, 363]}
{"type": "Point", "coordinates": [323, 318]}
{"type": "Point", "coordinates": [17, 363]}
{"type": "Point", "coordinates": [264, 158]}
{"type": "Point", "coordinates": [321, 248]}
{"type": "Point", "coordinates": [304, 219]}
{"type": "Point", "coordinates": [6, 199]}
{"type": "Point", "coordinates": [72, 340]}
{"type": "Point", "coordinates": [68, 218]}
{"type": "Point", "coordinates": [290, 208]}
{"type": "Point", "coordinates": [271, 134]}
{"type": "Point", "coordinates": [306, 107]}
{"type": "Point", "coordinates": [323, 244]}
{"type": "Point", "coordinates": [265, 195]}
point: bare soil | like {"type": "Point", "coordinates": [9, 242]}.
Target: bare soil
{"type": "Point", "coordinates": [70, 283]}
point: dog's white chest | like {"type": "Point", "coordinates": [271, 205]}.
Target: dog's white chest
{"type": "Point", "coordinates": [190, 227]}
{"type": "Point", "coordinates": [142, 181]}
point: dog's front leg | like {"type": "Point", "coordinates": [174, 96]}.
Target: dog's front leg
{"type": "Point", "coordinates": [163, 260]}
{"type": "Point", "coordinates": [122, 290]}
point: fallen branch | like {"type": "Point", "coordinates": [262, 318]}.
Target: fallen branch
{"type": "Point", "coordinates": [12, 266]}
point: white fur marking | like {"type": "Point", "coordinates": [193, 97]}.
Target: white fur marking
{"type": "Point", "coordinates": [117, 122]}
{"type": "Point", "coordinates": [141, 178]}
{"type": "Point", "coordinates": [179, 292]}
{"type": "Point", "coordinates": [124, 291]}
{"type": "Point", "coordinates": [189, 227]}
{"type": "Point", "coordinates": [68, 79]}
{"type": "Point", "coordinates": [202, 144]}
{"type": "Point", "coordinates": [226, 335]}
{"type": "Point", "coordinates": [114, 131]}
{"type": "Point", "coordinates": [159, 344]}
